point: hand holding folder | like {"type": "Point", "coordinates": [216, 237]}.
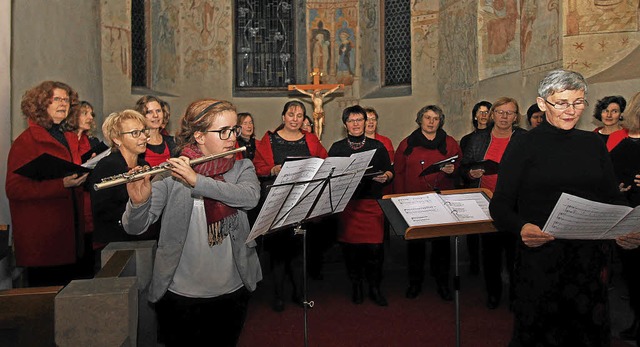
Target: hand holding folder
{"type": "Point", "coordinates": [490, 167]}
{"type": "Point", "coordinates": [48, 167]}
{"type": "Point", "coordinates": [435, 167]}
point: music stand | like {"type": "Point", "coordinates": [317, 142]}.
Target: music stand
{"type": "Point", "coordinates": [398, 222]}
{"type": "Point", "coordinates": [319, 192]}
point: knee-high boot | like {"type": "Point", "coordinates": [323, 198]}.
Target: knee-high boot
{"type": "Point", "coordinates": [354, 271]}
{"type": "Point", "coordinates": [374, 262]}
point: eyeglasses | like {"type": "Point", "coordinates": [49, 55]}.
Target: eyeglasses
{"type": "Point", "coordinates": [577, 105]}
{"type": "Point", "coordinates": [502, 113]}
{"type": "Point", "coordinates": [359, 120]}
{"type": "Point", "coordinates": [484, 113]}
{"type": "Point", "coordinates": [59, 99]}
{"type": "Point", "coordinates": [136, 133]}
{"type": "Point", "coordinates": [225, 133]}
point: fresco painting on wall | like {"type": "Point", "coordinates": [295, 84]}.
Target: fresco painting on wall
{"type": "Point", "coordinates": [206, 37]}
{"type": "Point", "coordinates": [539, 33]}
{"type": "Point", "coordinates": [599, 33]}
{"type": "Point", "coordinates": [332, 40]}
{"type": "Point", "coordinates": [425, 41]}
{"type": "Point", "coordinates": [498, 38]}
{"type": "Point", "coordinates": [165, 55]}
{"type": "Point", "coordinates": [118, 50]}
{"type": "Point", "coordinates": [371, 30]}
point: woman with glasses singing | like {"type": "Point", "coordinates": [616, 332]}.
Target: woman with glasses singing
{"type": "Point", "coordinates": [490, 145]}
{"type": "Point", "coordinates": [560, 284]}
{"type": "Point", "coordinates": [609, 111]}
{"type": "Point", "coordinates": [427, 145]}
{"type": "Point", "coordinates": [285, 249]}
{"type": "Point", "coordinates": [46, 214]}
{"type": "Point", "coordinates": [361, 229]}
{"type": "Point", "coordinates": [204, 270]}
{"type": "Point", "coordinates": [161, 145]}
{"type": "Point", "coordinates": [126, 133]}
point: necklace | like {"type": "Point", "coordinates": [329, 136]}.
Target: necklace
{"type": "Point", "coordinates": [356, 145]}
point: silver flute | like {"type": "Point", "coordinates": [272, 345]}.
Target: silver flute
{"type": "Point", "coordinates": [124, 178]}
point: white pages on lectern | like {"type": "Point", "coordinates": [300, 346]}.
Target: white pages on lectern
{"type": "Point", "coordinates": [434, 208]}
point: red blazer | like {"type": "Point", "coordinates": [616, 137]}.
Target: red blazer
{"type": "Point", "coordinates": [42, 212]}
{"type": "Point", "coordinates": [408, 168]}
{"type": "Point", "coordinates": [263, 160]}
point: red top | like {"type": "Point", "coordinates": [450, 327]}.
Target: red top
{"type": "Point", "coordinates": [263, 160]}
{"type": "Point", "coordinates": [495, 151]}
{"type": "Point", "coordinates": [155, 159]}
{"type": "Point", "coordinates": [42, 212]}
{"type": "Point", "coordinates": [387, 144]}
{"type": "Point", "coordinates": [408, 168]}
{"type": "Point", "coordinates": [616, 137]}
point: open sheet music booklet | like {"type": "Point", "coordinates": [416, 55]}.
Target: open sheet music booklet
{"type": "Point", "coordinates": [577, 218]}
{"type": "Point", "coordinates": [435, 209]}
{"type": "Point", "coordinates": [298, 185]}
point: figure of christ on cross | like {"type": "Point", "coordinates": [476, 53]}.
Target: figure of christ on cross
{"type": "Point", "coordinates": [317, 97]}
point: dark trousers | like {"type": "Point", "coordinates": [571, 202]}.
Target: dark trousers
{"type": "Point", "coordinates": [440, 261]}
{"type": "Point", "coordinates": [218, 321]}
{"type": "Point", "coordinates": [285, 255]}
{"type": "Point", "coordinates": [364, 260]}
{"type": "Point", "coordinates": [494, 245]}
{"type": "Point", "coordinates": [630, 259]}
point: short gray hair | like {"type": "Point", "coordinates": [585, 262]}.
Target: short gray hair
{"type": "Point", "coordinates": [558, 81]}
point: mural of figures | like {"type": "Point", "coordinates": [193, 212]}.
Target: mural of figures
{"type": "Point", "coordinates": [346, 61]}
{"type": "Point", "coordinates": [499, 37]}
{"type": "Point", "coordinates": [321, 49]}
{"type": "Point", "coordinates": [539, 33]}
{"type": "Point", "coordinates": [329, 51]}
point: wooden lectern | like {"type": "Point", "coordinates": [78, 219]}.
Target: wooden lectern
{"type": "Point", "coordinates": [456, 229]}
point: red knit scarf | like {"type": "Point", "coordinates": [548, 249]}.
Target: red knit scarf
{"type": "Point", "coordinates": [215, 210]}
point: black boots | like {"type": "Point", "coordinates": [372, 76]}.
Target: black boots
{"type": "Point", "coordinates": [376, 296]}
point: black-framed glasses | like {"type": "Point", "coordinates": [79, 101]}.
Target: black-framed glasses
{"type": "Point", "coordinates": [225, 133]}
{"type": "Point", "coordinates": [577, 105]}
{"type": "Point", "coordinates": [136, 133]}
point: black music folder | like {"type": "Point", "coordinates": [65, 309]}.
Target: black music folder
{"type": "Point", "coordinates": [47, 167]}
{"type": "Point", "coordinates": [97, 149]}
{"type": "Point", "coordinates": [435, 167]}
{"type": "Point", "coordinates": [490, 167]}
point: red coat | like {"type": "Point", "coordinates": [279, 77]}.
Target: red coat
{"type": "Point", "coordinates": [263, 160]}
{"type": "Point", "coordinates": [408, 168]}
{"type": "Point", "coordinates": [42, 212]}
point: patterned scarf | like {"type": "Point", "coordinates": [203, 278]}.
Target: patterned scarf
{"type": "Point", "coordinates": [215, 210]}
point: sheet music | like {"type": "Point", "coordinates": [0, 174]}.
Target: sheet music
{"type": "Point", "coordinates": [91, 163]}
{"type": "Point", "coordinates": [433, 208]}
{"type": "Point", "coordinates": [577, 218]}
{"type": "Point", "coordinates": [290, 204]}
{"type": "Point", "coordinates": [274, 207]}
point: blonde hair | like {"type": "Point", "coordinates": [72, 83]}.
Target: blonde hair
{"type": "Point", "coordinates": [112, 126]}
{"type": "Point", "coordinates": [632, 114]}
{"type": "Point", "coordinates": [507, 100]}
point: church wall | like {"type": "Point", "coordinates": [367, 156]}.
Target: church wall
{"type": "Point", "coordinates": [463, 51]}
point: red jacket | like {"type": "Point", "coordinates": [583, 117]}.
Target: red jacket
{"type": "Point", "coordinates": [387, 144]}
{"type": "Point", "coordinates": [408, 168]}
{"type": "Point", "coordinates": [263, 160]}
{"type": "Point", "coordinates": [616, 137]}
{"type": "Point", "coordinates": [42, 212]}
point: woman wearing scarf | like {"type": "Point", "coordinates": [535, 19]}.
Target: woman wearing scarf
{"type": "Point", "coordinates": [427, 145]}
{"type": "Point", "coordinates": [362, 222]}
{"type": "Point", "coordinates": [203, 271]}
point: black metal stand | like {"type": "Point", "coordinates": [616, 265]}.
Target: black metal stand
{"type": "Point", "coordinates": [456, 286]}
{"type": "Point", "coordinates": [299, 230]}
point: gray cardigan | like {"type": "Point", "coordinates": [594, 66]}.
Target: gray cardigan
{"type": "Point", "coordinates": [240, 190]}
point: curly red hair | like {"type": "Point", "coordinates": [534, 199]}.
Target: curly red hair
{"type": "Point", "coordinates": [36, 100]}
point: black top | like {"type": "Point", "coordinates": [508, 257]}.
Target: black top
{"type": "Point", "coordinates": [108, 205]}
{"type": "Point", "coordinates": [250, 153]}
{"type": "Point", "coordinates": [282, 148]}
{"type": "Point", "coordinates": [538, 166]}
{"type": "Point", "coordinates": [626, 166]}
{"type": "Point", "coordinates": [368, 188]}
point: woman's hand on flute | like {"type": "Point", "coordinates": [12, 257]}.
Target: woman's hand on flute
{"type": "Point", "coordinates": [181, 169]}
{"type": "Point", "coordinates": [139, 190]}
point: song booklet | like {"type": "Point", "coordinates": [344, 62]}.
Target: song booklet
{"type": "Point", "coordinates": [577, 218]}
{"type": "Point", "coordinates": [435, 209]}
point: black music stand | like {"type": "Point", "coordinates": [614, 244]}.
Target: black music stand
{"type": "Point", "coordinates": [398, 223]}
{"type": "Point", "coordinates": [322, 184]}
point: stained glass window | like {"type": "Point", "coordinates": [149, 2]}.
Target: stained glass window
{"type": "Point", "coordinates": [264, 44]}
{"type": "Point", "coordinates": [397, 42]}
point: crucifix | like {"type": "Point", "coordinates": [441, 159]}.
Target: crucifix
{"type": "Point", "coordinates": [317, 93]}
